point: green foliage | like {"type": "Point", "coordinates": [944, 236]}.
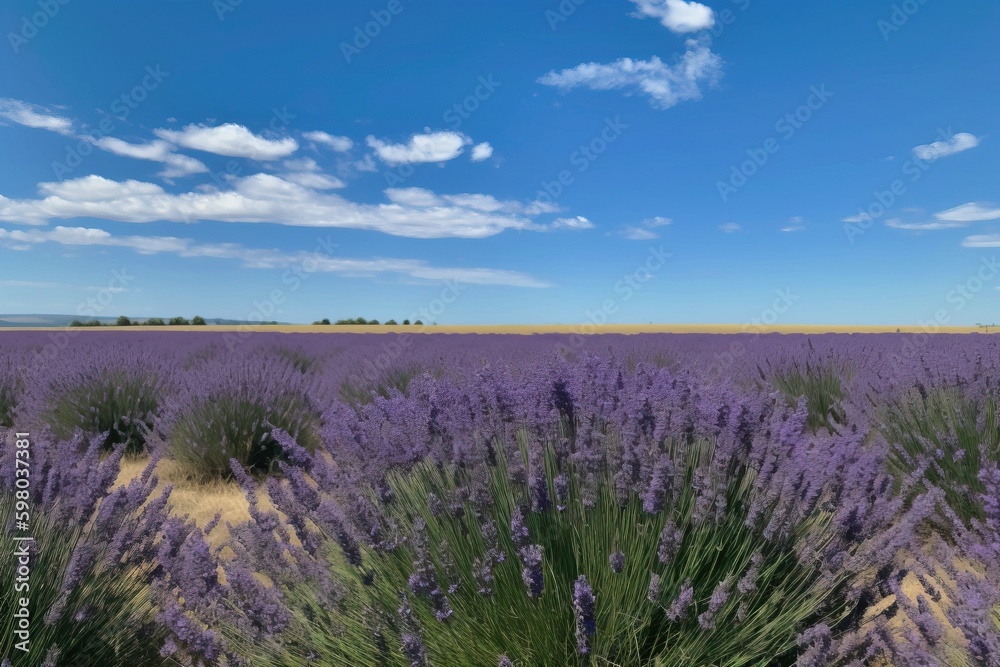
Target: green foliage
{"type": "Point", "coordinates": [107, 620]}
{"type": "Point", "coordinates": [234, 426]}
{"type": "Point", "coordinates": [179, 321]}
{"type": "Point", "coordinates": [356, 391]}
{"type": "Point", "coordinates": [419, 323]}
{"type": "Point", "coordinates": [198, 320]}
{"type": "Point", "coordinates": [406, 322]}
{"type": "Point", "coordinates": [949, 435]}
{"type": "Point", "coordinates": [121, 402]}
{"type": "Point", "coordinates": [325, 320]}
{"type": "Point", "coordinates": [391, 323]}
{"type": "Point", "coordinates": [123, 321]}
{"type": "Point", "coordinates": [631, 629]}
{"type": "Point", "coordinates": [820, 384]}
{"type": "Point", "coordinates": [154, 322]}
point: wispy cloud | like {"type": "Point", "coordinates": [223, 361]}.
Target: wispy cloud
{"type": "Point", "coordinates": [665, 85]}
{"type": "Point", "coordinates": [731, 227]}
{"type": "Point", "coordinates": [794, 225]}
{"type": "Point", "coordinates": [31, 115]}
{"type": "Point", "coordinates": [177, 165]}
{"type": "Point", "coordinates": [957, 143]}
{"type": "Point", "coordinates": [677, 15]}
{"type": "Point", "coordinates": [338, 144]}
{"type": "Point", "coordinates": [972, 212]}
{"type": "Point", "coordinates": [644, 231]}
{"type": "Point", "coordinates": [271, 259]}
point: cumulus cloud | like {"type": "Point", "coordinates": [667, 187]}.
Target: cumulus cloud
{"type": "Point", "coordinates": [677, 15]}
{"type": "Point", "coordinates": [665, 85]}
{"type": "Point", "coordinates": [269, 259]}
{"type": "Point", "coordinates": [231, 140]}
{"type": "Point", "coordinates": [338, 144]}
{"type": "Point", "coordinates": [962, 141]}
{"type": "Point", "coordinates": [482, 152]}
{"type": "Point", "coordinates": [269, 198]}
{"type": "Point", "coordinates": [426, 147]}
{"type": "Point", "coordinates": [31, 115]}
{"type": "Point", "coordinates": [972, 212]}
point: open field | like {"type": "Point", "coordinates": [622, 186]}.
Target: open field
{"type": "Point", "coordinates": [527, 329]}
{"type": "Point", "coordinates": [744, 499]}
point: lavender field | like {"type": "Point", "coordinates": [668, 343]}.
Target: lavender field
{"type": "Point", "coordinates": [504, 500]}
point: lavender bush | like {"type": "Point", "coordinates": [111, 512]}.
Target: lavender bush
{"type": "Point", "coordinates": [230, 408]}
{"type": "Point", "coordinates": [91, 559]}
{"type": "Point", "coordinates": [448, 526]}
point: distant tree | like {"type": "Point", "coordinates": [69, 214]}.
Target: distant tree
{"type": "Point", "coordinates": [123, 321]}
{"type": "Point", "coordinates": [179, 321]}
{"type": "Point", "coordinates": [419, 323]}
{"type": "Point", "coordinates": [77, 323]}
{"type": "Point", "coordinates": [391, 323]}
{"type": "Point", "coordinates": [406, 322]}
{"type": "Point", "coordinates": [93, 323]}
{"type": "Point", "coordinates": [198, 320]}
{"type": "Point", "coordinates": [325, 320]}
{"type": "Point", "coordinates": [154, 322]}
{"type": "Point", "coordinates": [375, 322]}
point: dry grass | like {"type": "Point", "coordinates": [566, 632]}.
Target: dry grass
{"type": "Point", "coordinates": [527, 329]}
{"type": "Point", "coordinates": [198, 500]}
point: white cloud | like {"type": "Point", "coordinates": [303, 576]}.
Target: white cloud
{"type": "Point", "coordinates": [962, 141]}
{"type": "Point", "coordinates": [577, 223]}
{"type": "Point", "coordinates": [427, 147]}
{"type": "Point", "coordinates": [31, 115]}
{"type": "Point", "coordinates": [677, 15]}
{"type": "Point", "coordinates": [644, 230]}
{"type": "Point", "coordinates": [338, 144]}
{"type": "Point", "coordinates": [795, 225]}
{"type": "Point", "coordinates": [896, 223]}
{"type": "Point", "coordinates": [268, 198]}
{"type": "Point", "coordinates": [639, 234]}
{"type": "Point", "coordinates": [666, 85]}
{"type": "Point", "coordinates": [982, 241]}
{"type": "Point", "coordinates": [231, 140]}
{"type": "Point", "coordinates": [98, 189]}
{"type": "Point", "coordinates": [270, 259]}
{"type": "Point", "coordinates": [860, 217]}
{"type": "Point", "coordinates": [482, 152]}
{"type": "Point", "coordinates": [307, 173]}
{"type": "Point", "coordinates": [367, 163]}
{"type": "Point", "coordinates": [972, 212]}
{"type": "Point", "coordinates": [730, 227]}
{"type": "Point", "coordinates": [156, 151]}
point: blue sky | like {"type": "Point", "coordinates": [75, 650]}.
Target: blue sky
{"type": "Point", "coordinates": [719, 163]}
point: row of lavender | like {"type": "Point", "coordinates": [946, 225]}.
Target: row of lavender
{"type": "Point", "coordinates": [467, 500]}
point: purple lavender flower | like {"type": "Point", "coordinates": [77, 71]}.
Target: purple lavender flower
{"type": "Point", "coordinates": [678, 609]}
{"type": "Point", "coordinates": [586, 622]}
{"type": "Point", "coordinates": [531, 574]}
{"type": "Point", "coordinates": [670, 542]}
{"type": "Point", "coordinates": [718, 600]}
{"type": "Point", "coordinates": [519, 533]}
{"type": "Point", "coordinates": [654, 590]}
{"type": "Point", "coordinates": [617, 562]}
